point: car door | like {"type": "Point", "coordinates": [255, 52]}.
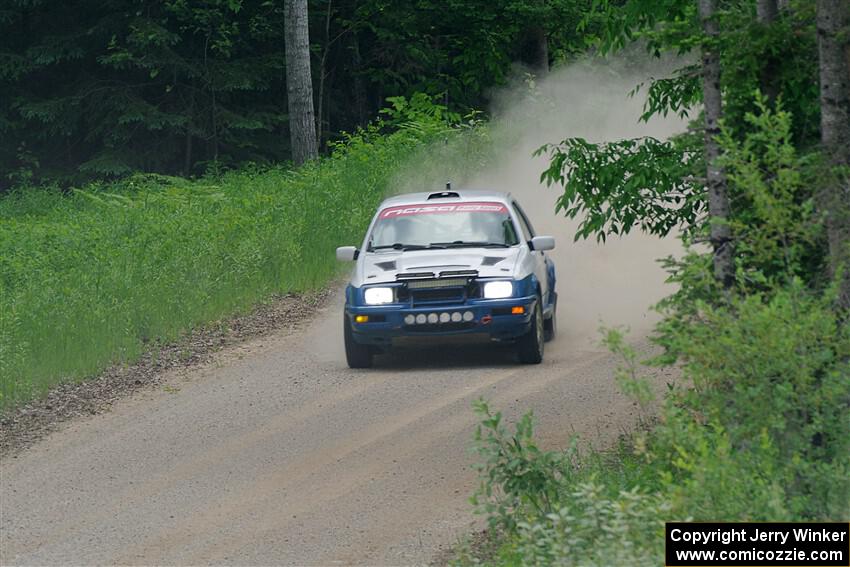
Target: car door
{"type": "Point", "coordinates": [537, 257]}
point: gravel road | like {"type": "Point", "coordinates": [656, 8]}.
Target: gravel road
{"type": "Point", "coordinates": [277, 453]}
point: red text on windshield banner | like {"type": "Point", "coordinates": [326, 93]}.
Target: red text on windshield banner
{"type": "Point", "coordinates": [425, 209]}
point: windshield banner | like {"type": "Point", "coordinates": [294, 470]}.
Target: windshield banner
{"type": "Point", "coordinates": [424, 209]}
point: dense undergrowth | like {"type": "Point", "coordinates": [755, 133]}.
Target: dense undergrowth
{"type": "Point", "coordinates": [756, 429]}
{"type": "Point", "coordinates": [97, 275]}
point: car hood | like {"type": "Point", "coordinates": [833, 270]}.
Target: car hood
{"type": "Point", "coordinates": [382, 267]}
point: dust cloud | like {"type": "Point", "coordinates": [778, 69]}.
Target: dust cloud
{"type": "Point", "coordinates": [613, 283]}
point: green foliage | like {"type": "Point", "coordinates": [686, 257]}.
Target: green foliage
{"type": "Point", "coordinates": [763, 434]}
{"type": "Point", "coordinates": [758, 426]}
{"type": "Point", "coordinates": [630, 383]}
{"type": "Point", "coordinates": [664, 24]}
{"type": "Point", "coordinates": [111, 88]}
{"type": "Point", "coordinates": [595, 529]}
{"type": "Point", "coordinates": [99, 275]}
{"type": "Point", "coordinates": [776, 229]}
{"type": "Point", "coordinates": [94, 90]}
{"type": "Point", "coordinates": [776, 59]}
{"type": "Point", "coordinates": [678, 94]}
{"type": "Point", "coordinates": [778, 235]}
{"type": "Point", "coordinates": [657, 185]}
{"type": "Point", "coordinates": [619, 185]}
{"type": "Point", "coordinates": [770, 400]}
{"type": "Point", "coordinates": [516, 475]}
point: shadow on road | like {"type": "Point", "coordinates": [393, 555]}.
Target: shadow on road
{"type": "Point", "coordinates": [448, 356]}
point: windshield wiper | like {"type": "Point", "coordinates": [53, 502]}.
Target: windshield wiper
{"type": "Point", "coordinates": [399, 246]}
{"type": "Point", "coordinates": [468, 244]}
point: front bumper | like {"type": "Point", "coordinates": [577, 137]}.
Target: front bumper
{"type": "Point", "coordinates": [491, 317]}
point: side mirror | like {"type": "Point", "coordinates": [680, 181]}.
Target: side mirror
{"type": "Point", "coordinates": [541, 243]}
{"type": "Point", "coordinates": [347, 253]}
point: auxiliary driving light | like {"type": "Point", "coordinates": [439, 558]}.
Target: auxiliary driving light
{"type": "Point", "coordinates": [409, 319]}
{"type": "Point", "coordinates": [444, 317]}
{"type": "Point", "coordinates": [421, 318]}
{"type": "Point", "coordinates": [432, 318]}
{"type": "Point", "coordinates": [456, 317]}
{"type": "Point", "coordinates": [361, 318]}
{"type": "Point", "coordinates": [468, 316]}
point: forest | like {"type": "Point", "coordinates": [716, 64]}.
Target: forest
{"type": "Point", "coordinates": [155, 146]}
{"type": "Point", "coordinates": [90, 89]}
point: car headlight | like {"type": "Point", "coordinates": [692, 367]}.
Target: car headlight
{"type": "Point", "coordinates": [498, 290]}
{"type": "Point", "coordinates": [378, 295]}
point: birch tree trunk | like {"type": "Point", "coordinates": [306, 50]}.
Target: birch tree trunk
{"type": "Point", "coordinates": [833, 26]}
{"type": "Point", "coordinates": [299, 85]}
{"type": "Point", "coordinates": [718, 199]}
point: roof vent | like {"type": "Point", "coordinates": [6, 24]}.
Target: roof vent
{"type": "Point", "coordinates": [444, 195]}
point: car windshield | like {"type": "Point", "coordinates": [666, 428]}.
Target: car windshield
{"type": "Point", "coordinates": [430, 225]}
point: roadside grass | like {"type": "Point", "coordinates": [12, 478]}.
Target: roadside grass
{"type": "Point", "coordinates": [97, 275]}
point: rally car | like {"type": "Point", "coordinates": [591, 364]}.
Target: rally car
{"type": "Point", "coordinates": [445, 264]}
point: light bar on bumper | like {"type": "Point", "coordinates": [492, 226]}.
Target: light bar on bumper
{"type": "Point", "coordinates": [441, 318]}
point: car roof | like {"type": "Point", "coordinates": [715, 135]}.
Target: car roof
{"type": "Point", "coordinates": [446, 196]}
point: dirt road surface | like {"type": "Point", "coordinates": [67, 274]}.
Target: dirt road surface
{"type": "Point", "coordinates": [277, 453]}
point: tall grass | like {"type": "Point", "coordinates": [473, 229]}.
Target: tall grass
{"type": "Point", "coordinates": [92, 277]}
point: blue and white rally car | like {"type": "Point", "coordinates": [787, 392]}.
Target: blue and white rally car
{"type": "Point", "coordinates": [449, 263]}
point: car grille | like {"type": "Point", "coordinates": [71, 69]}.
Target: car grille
{"type": "Point", "coordinates": [438, 284]}
{"type": "Point", "coordinates": [451, 287]}
{"type": "Point", "coordinates": [438, 295]}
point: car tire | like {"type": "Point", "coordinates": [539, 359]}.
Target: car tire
{"type": "Point", "coordinates": [550, 325]}
{"type": "Point", "coordinates": [357, 355]}
{"type": "Point", "coordinates": [530, 345]}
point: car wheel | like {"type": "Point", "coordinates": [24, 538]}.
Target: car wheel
{"type": "Point", "coordinates": [357, 355]}
{"type": "Point", "coordinates": [550, 325]}
{"type": "Point", "coordinates": [530, 346]}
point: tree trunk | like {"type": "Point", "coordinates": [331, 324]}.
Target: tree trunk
{"type": "Point", "coordinates": [766, 13]}
{"type": "Point", "coordinates": [187, 157]}
{"type": "Point", "coordinates": [214, 117]}
{"type": "Point", "coordinates": [299, 85]}
{"type": "Point", "coordinates": [323, 75]}
{"type": "Point", "coordinates": [359, 89]}
{"type": "Point", "coordinates": [833, 26]}
{"type": "Point", "coordinates": [718, 200]}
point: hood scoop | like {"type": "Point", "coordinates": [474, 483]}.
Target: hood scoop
{"type": "Point", "coordinates": [386, 266]}
{"type": "Point", "coordinates": [491, 260]}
